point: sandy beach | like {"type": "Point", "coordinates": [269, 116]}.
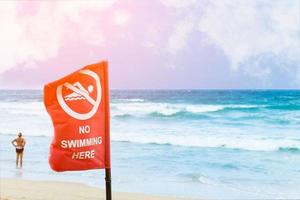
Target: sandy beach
{"type": "Point", "coordinates": [17, 189]}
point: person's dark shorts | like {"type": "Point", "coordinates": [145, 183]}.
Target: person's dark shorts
{"type": "Point", "coordinates": [19, 150]}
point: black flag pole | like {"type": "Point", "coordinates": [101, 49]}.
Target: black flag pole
{"type": "Point", "coordinates": [108, 183]}
{"type": "Point", "coordinates": [107, 139]}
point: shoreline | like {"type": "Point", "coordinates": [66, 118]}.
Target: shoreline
{"type": "Point", "coordinates": [17, 189]}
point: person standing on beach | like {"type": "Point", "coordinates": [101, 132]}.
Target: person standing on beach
{"type": "Point", "coordinates": [19, 143]}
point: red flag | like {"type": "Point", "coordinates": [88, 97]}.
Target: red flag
{"type": "Point", "coordinates": [78, 105]}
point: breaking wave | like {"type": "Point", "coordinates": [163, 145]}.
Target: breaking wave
{"type": "Point", "coordinates": [169, 109]}
{"type": "Point", "coordinates": [234, 143]}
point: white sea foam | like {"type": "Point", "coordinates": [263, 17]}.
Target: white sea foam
{"type": "Point", "coordinates": [131, 100]}
{"type": "Point", "coordinates": [203, 108]}
{"type": "Point", "coordinates": [25, 108]}
{"type": "Point", "coordinates": [166, 109]}
{"type": "Point", "coordinates": [206, 180]}
{"type": "Point", "coordinates": [143, 108]}
{"type": "Point", "coordinates": [234, 142]}
{"type": "Point", "coordinates": [32, 119]}
{"type": "Point", "coordinates": [134, 107]}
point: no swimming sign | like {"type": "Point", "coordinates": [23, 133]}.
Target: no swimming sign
{"type": "Point", "coordinates": [78, 105]}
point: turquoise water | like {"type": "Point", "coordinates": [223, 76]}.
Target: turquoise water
{"type": "Point", "coordinates": [205, 144]}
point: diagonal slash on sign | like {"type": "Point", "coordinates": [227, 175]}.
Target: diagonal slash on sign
{"type": "Point", "coordinates": [74, 89]}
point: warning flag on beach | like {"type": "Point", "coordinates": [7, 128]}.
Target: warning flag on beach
{"type": "Point", "coordinates": [78, 105]}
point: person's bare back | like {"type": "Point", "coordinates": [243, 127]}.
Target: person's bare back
{"type": "Point", "coordinates": [19, 143]}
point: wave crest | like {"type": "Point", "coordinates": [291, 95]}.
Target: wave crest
{"type": "Point", "coordinates": [148, 109]}
{"type": "Point", "coordinates": [234, 142]}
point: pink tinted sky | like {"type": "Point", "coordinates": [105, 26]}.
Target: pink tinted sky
{"type": "Point", "coordinates": [153, 44]}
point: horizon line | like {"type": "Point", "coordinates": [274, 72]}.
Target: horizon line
{"type": "Point", "coordinates": [166, 89]}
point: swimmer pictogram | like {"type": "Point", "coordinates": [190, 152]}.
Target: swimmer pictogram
{"type": "Point", "coordinates": [80, 93]}
{"type": "Point", "coordinates": [78, 96]}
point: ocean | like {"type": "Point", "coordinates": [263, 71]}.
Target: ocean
{"type": "Point", "coordinates": [225, 144]}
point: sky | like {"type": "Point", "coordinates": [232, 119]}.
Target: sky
{"type": "Point", "coordinates": [157, 44]}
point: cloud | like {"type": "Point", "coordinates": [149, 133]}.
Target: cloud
{"type": "Point", "coordinates": [35, 31]}
{"type": "Point", "coordinates": [257, 37]}
{"type": "Point", "coordinates": [254, 35]}
{"type": "Point", "coordinates": [247, 30]}
{"type": "Point", "coordinates": [179, 3]}
{"type": "Point", "coordinates": [121, 17]}
{"type": "Point", "coordinates": [178, 38]}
